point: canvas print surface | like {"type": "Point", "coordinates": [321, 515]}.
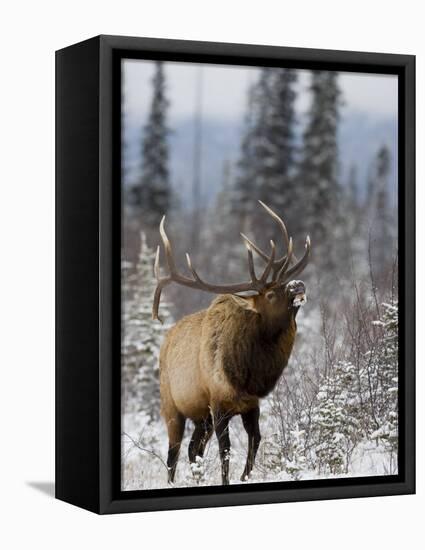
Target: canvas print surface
{"type": "Point", "coordinates": [259, 278]}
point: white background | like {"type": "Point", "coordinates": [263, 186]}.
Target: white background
{"type": "Point", "coordinates": [29, 34]}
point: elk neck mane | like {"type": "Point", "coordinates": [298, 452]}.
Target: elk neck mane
{"type": "Point", "coordinates": [253, 351]}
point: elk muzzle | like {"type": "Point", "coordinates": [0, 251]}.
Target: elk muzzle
{"type": "Point", "coordinates": [297, 293]}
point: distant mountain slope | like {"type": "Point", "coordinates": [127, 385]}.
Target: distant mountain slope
{"type": "Point", "coordinates": [360, 136]}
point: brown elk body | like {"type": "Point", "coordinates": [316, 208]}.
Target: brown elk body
{"type": "Point", "coordinates": [221, 361]}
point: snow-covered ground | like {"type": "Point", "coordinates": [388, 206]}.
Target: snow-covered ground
{"type": "Point", "coordinates": [332, 414]}
{"type": "Point", "coordinates": [144, 470]}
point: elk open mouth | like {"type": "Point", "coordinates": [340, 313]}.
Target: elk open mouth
{"type": "Point", "coordinates": [299, 299]}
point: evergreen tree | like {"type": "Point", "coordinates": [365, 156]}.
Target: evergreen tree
{"type": "Point", "coordinates": [222, 254]}
{"type": "Point", "coordinates": [351, 234]}
{"type": "Point", "coordinates": [385, 378]}
{"type": "Point", "coordinates": [141, 338]}
{"type": "Point", "coordinates": [295, 463]}
{"type": "Point", "coordinates": [318, 188]}
{"type": "Point", "coordinates": [254, 134]}
{"type": "Point", "coordinates": [335, 417]}
{"type": "Point", "coordinates": [227, 259]}
{"type": "Point", "coordinates": [328, 419]}
{"type": "Point", "coordinates": [152, 195]}
{"type": "Point", "coordinates": [268, 148]}
{"type": "Point", "coordinates": [353, 186]}
{"type": "Point", "coordinates": [280, 191]}
{"type": "Point", "coordinates": [378, 199]}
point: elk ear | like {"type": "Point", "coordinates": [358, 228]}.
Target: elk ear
{"type": "Point", "coordinates": [270, 296]}
{"type": "Point", "coordinates": [245, 302]}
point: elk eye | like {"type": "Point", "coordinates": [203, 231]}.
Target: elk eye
{"type": "Point", "coordinates": [271, 296]}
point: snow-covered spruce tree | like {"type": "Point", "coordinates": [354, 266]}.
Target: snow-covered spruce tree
{"type": "Point", "coordinates": [348, 388]}
{"type": "Point", "coordinates": [353, 230]}
{"type": "Point", "coordinates": [284, 449]}
{"type": "Point", "coordinates": [318, 168]}
{"type": "Point", "coordinates": [227, 260]}
{"type": "Point", "coordinates": [141, 338]}
{"type": "Point", "coordinates": [378, 208]}
{"type": "Point", "coordinates": [281, 183]}
{"type": "Point", "coordinates": [386, 378]}
{"type": "Point", "coordinates": [353, 186]}
{"type": "Point", "coordinates": [335, 418]}
{"type": "Point", "coordinates": [246, 186]}
{"type": "Point", "coordinates": [152, 194]}
{"type": "Point", "coordinates": [287, 419]}
{"type": "Point", "coordinates": [295, 463]}
{"type": "Point", "coordinates": [266, 166]}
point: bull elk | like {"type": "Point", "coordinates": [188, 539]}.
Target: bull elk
{"type": "Point", "coordinates": [219, 362]}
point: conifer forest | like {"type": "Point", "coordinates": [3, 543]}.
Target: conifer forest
{"type": "Point", "coordinates": [202, 147]}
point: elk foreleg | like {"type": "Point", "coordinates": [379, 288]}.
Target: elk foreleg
{"type": "Point", "coordinates": [251, 424]}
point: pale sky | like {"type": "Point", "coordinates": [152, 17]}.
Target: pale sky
{"type": "Point", "coordinates": [224, 90]}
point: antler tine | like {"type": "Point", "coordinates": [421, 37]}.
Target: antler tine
{"type": "Point", "coordinates": [279, 221]}
{"type": "Point", "coordinates": [192, 269]}
{"type": "Point", "coordinates": [167, 247]}
{"type": "Point", "coordinates": [161, 283]}
{"type": "Point", "coordinates": [255, 247]}
{"type": "Point", "coordinates": [270, 263]}
{"type": "Point", "coordinates": [277, 264]}
{"type": "Point", "coordinates": [156, 264]}
{"type": "Point", "coordinates": [251, 263]}
{"type": "Point", "coordinates": [301, 264]}
{"type": "Point", "coordinates": [200, 284]}
{"type": "Point", "coordinates": [156, 300]}
{"type": "Point", "coordinates": [285, 265]}
{"type": "Point", "coordinates": [283, 228]}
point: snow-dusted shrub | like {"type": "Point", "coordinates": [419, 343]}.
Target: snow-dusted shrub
{"type": "Point", "coordinates": [141, 337]}
{"type": "Point", "coordinates": [295, 463]}
{"type": "Point", "coordinates": [386, 378]}
{"type": "Point", "coordinates": [336, 418]}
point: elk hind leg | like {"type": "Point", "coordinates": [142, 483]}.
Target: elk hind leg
{"type": "Point", "coordinates": [175, 427]}
{"type": "Point", "coordinates": [221, 426]}
{"type": "Point", "coordinates": [201, 435]}
{"type": "Point", "coordinates": [251, 424]}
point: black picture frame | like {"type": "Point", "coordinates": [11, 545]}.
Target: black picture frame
{"type": "Point", "coordinates": [88, 199]}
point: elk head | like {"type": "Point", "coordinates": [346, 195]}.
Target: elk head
{"type": "Point", "coordinates": [275, 290]}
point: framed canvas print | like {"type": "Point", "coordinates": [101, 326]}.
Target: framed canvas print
{"type": "Point", "coordinates": [235, 274]}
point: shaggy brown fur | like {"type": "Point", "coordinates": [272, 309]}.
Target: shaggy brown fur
{"type": "Point", "coordinates": [218, 362]}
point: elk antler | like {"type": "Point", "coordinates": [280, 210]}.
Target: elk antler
{"type": "Point", "coordinates": [278, 268]}
{"type": "Point", "coordinates": [286, 276]}
{"type": "Point", "coordinates": [256, 284]}
{"type": "Point", "coordinates": [284, 260]}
